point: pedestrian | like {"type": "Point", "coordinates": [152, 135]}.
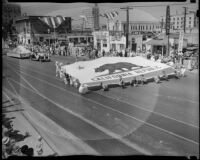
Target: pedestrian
{"type": "Point", "coordinates": [103, 53]}
{"type": "Point", "coordinates": [126, 53]}
{"type": "Point", "coordinates": [96, 53]}
{"type": "Point", "coordinates": [39, 146]}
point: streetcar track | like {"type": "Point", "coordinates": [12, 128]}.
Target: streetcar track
{"type": "Point", "coordinates": [134, 105]}
{"type": "Point", "coordinates": [127, 115]}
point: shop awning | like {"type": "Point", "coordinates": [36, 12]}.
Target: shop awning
{"type": "Point", "coordinates": [157, 42]}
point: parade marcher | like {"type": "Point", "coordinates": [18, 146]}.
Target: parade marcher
{"type": "Point", "coordinates": [121, 82]}
{"type": "Point", "coordinates": [164, 76]}
{"type": "Point", "coordinates": [134, 82]}
{"type": "Point", "coordinates": [182, 72]}
{"type": "Point", "coordinates": [83, 89]}
{"type": "Point", "coordinates": [176, 74]}
{"type": "Point", "coordinates": [104, 86]}
{"type": "Point", "coordinates": [57, 68]}
{"type": "Point", "coordinates": [157, 79]}
{"type": "Point", "coordinates": [60, 70]}
{"type": "Point", "coordinates": [76, 83]}
{"type": "Point", "coordinates": [143, 80]}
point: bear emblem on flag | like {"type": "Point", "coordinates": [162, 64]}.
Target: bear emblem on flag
{"type": "Point", "coordinates": [117, 66]}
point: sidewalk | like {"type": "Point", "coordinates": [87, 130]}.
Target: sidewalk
{"type": "Point", "coordinates": [14, 111]}
{"type": "Point", "coordinates": [58, 139]}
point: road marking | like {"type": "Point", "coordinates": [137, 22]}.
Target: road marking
{"type": "Point", "coordinates": [8, 98]}
{"type": "Point", "coordinates": [143, 108]}
{"type": "Point", "coordinates": [139, 106]}
{"type": "Point", "coordinates": [180, 99]}
{"type": "Point", "coordinates": [107, 107]}
{"type": "Point", "coordinates": [106, 131]}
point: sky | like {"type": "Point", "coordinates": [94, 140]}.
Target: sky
{"type": "Point", "coordinates": [74, 9]}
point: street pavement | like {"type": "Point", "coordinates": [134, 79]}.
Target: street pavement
{"type": "Point", "coordinates": [152, 119]}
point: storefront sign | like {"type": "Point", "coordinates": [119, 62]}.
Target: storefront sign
{"type": "Point", "coordinates": [101, 35]}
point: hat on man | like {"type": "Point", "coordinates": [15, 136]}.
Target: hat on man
{"type": "Point", "coordinates": [5, 140]}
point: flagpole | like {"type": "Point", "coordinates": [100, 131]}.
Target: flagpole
{"type": "Point", "coordinates": [109, 34]}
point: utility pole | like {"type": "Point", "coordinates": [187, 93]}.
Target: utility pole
{"type": "Point", "coordinates": [185, 10]}
{"type": "Point", "coordinates": [127, 24]}
{"type": "Point", "coordinates": [167, 26]}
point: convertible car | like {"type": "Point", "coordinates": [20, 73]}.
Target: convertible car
{"type": "Point", "coordinates": [40, 56]}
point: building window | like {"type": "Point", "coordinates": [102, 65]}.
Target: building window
{"type": "Point", "coordinates": [121, 46]}
{"type": "Point", "coordinates": [146, 27]}
{"type": "Point", "coordinates": [182, 18]}
{"type": "Point", "coordinates": [189, 22]}
{"type": "Point", "coordinates": [177, 23]}
{"type": "Point", "coordinates": [104, 43]}
{"type": "Point", "coordinates": [174, 19]}
{"type": "Point", "coordinates": [189, 26]}
{"type": "Point", "coordinates": [190, 18]}
{"type": "Point", "coordinates": [177, 18]}
{"type": "Point", "coordinates": [177, 26]}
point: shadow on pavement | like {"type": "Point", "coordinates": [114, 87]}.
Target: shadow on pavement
{"type": "Point", "coordinates": [14, 134]}
{"type": "Point", "coordinates": [9, 105]}
{"type": "Point", "coordinates": [17, 110]}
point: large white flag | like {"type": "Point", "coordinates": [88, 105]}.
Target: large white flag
{"type": "Point", "coordinates": [107, 70]}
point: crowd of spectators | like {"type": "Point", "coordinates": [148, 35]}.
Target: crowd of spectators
{"type": "Point", "coordinates": [11, 137]}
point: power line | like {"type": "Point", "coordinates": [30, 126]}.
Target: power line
{"type": "Point", "coordinates": [164, 5]}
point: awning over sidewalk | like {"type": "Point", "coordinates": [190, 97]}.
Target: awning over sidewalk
{"type": "Point", "coordinates": [157, 42]}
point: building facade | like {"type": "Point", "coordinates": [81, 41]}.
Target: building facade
{"type": "Point", "coordinates": [109, 40]}
{"type": "Point", "coordinates": [138, 31]}
{"type": "Point", "coordinates": [9, 13]}
{"type": "Point", "coordinates": [178, 21]}
{"type": "Point", "coordinates": [92, 18]}
{"type": "Point", "coordinates": [33, 29]}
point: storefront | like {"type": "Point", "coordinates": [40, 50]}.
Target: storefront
{"type": "Point", "coordinates": [103, 40]}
